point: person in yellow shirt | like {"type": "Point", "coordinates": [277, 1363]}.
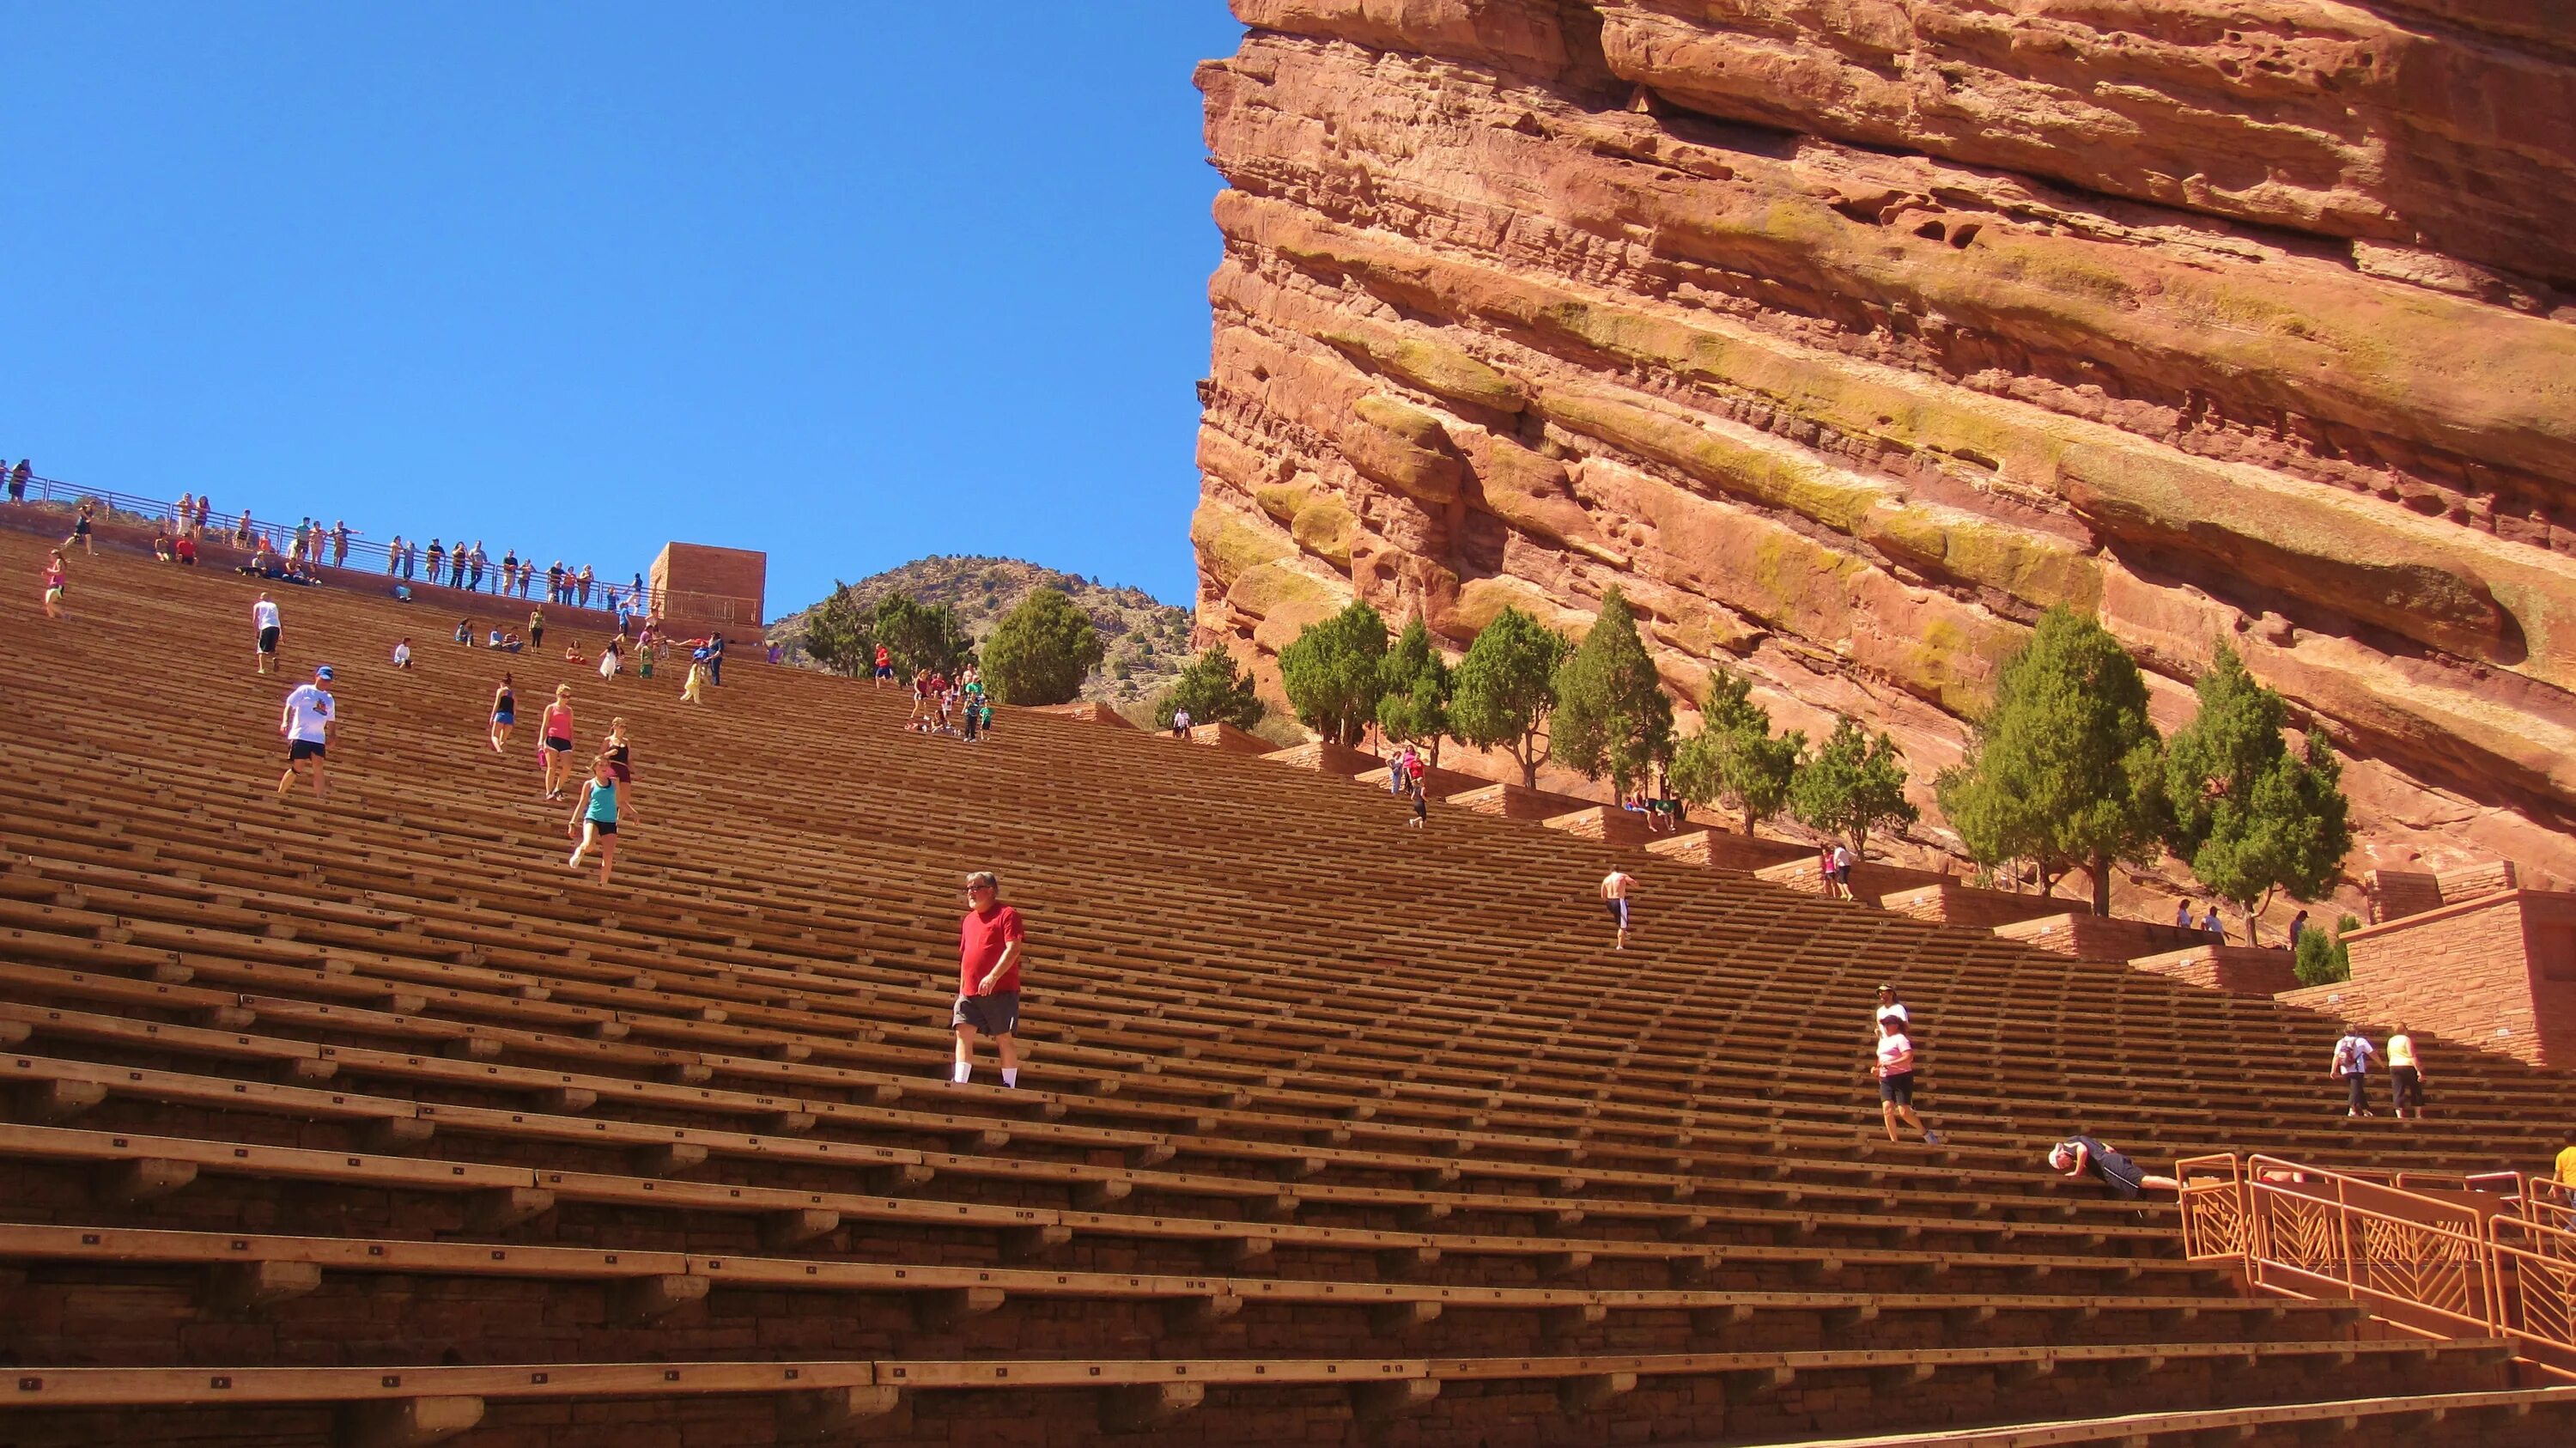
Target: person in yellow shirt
{"type": "Point", "coordinates": [2405, 1076]}
{"type": "Point", "coordinates": [2567, 1169]}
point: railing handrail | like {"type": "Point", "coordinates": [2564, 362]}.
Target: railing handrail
{"type": "Point", "coordinates": [2509, 1273]}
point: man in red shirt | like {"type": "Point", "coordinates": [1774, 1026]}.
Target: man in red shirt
{"type": "Point", "coordinates": [989, 945]}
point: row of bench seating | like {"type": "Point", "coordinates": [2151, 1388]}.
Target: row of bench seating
{"type": "Point", "coordinates": [1304, 1088]}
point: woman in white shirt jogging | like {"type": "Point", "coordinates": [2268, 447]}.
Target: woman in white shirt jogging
{"type": "Point", "coordinates": [1895, 1072]}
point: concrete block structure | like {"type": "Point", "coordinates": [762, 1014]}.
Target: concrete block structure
{"type": "Point", "coordinates": [2498, 971]}
{"type": "Point", "coordinates": [701, 588]}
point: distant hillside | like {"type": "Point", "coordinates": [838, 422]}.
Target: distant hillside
{"type": "Point", "coordinates": [1147, 642]}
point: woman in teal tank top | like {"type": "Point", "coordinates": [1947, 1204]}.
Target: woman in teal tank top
{"type": "Point", "coordinates": [594, 818]}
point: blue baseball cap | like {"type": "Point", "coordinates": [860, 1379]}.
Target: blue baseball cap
{"type": "Point", "coordinates": [323, 672]}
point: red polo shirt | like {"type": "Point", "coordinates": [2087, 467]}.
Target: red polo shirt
{"type": "Point", "coordinates": [981, 938]}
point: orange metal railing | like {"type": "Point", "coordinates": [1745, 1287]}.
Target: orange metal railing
{"type": "Point", "coordinates": [2495, 1257]}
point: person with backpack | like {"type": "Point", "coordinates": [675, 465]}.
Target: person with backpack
{"type": "Point", "coordinates": [2352, 1056]}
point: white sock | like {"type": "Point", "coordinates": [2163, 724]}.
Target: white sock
{"type": "Point", "coordinates": [1010, 1075]}
{"type": "Point", "coordinates": [960, 1074]}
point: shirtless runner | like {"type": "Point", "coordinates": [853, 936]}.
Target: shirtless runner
{"type": "Point", "coordinates": [1615, 888]}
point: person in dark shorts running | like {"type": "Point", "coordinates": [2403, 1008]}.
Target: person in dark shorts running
{"type": "Point", "coordinates": [81, 519]}
{"type": "Point", "coordinates": [505, 715]}
{"type": "Point", "coordinates": [554, 748]}
{"type": "Point", "coordinates": [1615, 890]}
{"type": "Point", "coordinates": [594, 819]}
{"type": "Point", "coordinates": [619, 751]}
{"type": "Point", "coordinates": [885, 665]}
{"type": "Point", "coordinates": [990, 941]}
{"type": "Point", "coordinates": [264, 618]}
{"type": "Point", "coordinates": [310, 717]}
{"type": "Point", "coordinates": [1895, 1071]}
{"type": "Point", "coordinates": [2078, 1155]}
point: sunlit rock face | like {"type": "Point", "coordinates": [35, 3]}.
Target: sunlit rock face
{"type": "Point", "coordinates": [1847, 335]}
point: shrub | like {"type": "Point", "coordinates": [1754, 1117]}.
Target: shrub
{"type": "Point", "coordinates": [1041, 651]}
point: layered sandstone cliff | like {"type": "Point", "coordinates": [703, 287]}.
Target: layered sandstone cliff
{"type": "Point", "coordinates": [1846, 335]}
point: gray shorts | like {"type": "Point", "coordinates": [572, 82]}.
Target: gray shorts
{"type": "Point", "coordinates": [997, 1014]}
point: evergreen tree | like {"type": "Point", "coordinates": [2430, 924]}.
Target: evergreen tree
{"type": "Point", "coordinates": [1415, 707]}
{"type": "Point", "coordinates": [920, 636]}
{"type": "Point", "coordinates": [1735, 760]}
{"type": "Point", "coordinates": [2324, 959]}
{"type": "Point", "coordinates": [2249, 816]}
{"type": "Point", "coordinates": [1041, 651]}
{"type": "Point", "coordinates": [1333, 673]}
{"type": "Point", "coordinates": [841, 636]}
{"type": "Point", "coordinates": [2066, 771]}
{"type": "Point", "coordinates": [1214, 693]}
{"type": "Point", "coordinates": [1504, 690]}
{"type": "Point", "coordinates": [1852, 785]}
{"type": "Point", "coordinates": [1612, 715]}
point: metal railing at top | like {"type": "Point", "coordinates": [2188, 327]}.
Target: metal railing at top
{"type": "Point", "coordinates": [243, 530]}
{"type": "Point", "coordinates": [2501, 1266]}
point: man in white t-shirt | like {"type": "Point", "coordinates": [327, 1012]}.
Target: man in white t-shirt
{"type": "Point", "coordinates": [310, 717]}
{"type": "Point", "coordinates": [1889, 1005]}
{"type": "Point", "coordinates": [1842, 870]}
{"type": "Point", "coordinates": [264, 620]}
{"type": "Point", "coordinates": [2352, 1067]}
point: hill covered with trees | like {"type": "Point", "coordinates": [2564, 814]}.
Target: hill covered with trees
{"type": "Point", "coordinates": [1145, 643]}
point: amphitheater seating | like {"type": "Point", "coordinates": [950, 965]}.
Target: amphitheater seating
{"type": "Point", "coordinates": [368, 1122]}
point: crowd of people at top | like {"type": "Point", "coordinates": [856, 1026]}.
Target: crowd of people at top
{"type": "Point", "coordinates": [470, 567]}
{"type": "Point", "coordinates": [296, 556]}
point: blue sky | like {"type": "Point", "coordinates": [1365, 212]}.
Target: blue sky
{"type": "Point", "coordinates": [849, 282]}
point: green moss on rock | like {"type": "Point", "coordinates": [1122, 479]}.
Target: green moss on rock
{"type": "Point", "coordinates": [1431, 366]}
{"type": "Point", "coordinates": [1231, 545]}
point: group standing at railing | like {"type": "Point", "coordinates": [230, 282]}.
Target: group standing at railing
{"type": "Point", "coordinates": [293, 554]}
{"type": "Point", "coordinates": [467, 568]}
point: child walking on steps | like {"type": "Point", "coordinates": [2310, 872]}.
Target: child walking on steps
{"type": "Point", "coordinates": [594, 819]}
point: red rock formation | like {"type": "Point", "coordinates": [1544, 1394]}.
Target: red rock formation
{"type": "Point", "coordinates": [1846, 335]}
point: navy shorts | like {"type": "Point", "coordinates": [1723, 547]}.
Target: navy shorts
{"type": "Point", "coordinates": [997, 1014]}
{"type": "Point", "coordinates": [1897, 1090]}
{"type": "Point", "coordinates": [303, 749]}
